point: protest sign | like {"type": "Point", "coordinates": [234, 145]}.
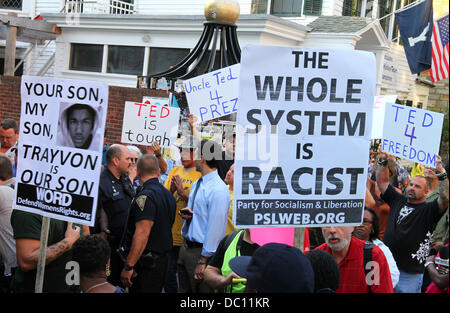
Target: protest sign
{"type": "Point", "coordinates": [302, 136]}
{"type": "Point", "coordinates": [213, 94]}
{"type": "Point", "coordinates": [62, 124]}
{"type": "Point", "coordinates": [411, 133]}
{"type": "Point", "coordinates": [145, 123]}
{"type": "Point", "coordinates": [379, 108]}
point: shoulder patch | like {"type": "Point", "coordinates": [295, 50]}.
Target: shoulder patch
{"type": "Point", "coordinates": [140, 201]}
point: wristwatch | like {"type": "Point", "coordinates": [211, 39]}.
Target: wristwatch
{"type": "Point", "coordinates": [442, 175]}
{"type": "Point", "coordinates": [428, 263]}
{"type": "Point", "coordinates": [128, 267]}
{"type": "Point", "coordinates": [158, 155]}
{"type": "Point", "coordinates": [382, 162]}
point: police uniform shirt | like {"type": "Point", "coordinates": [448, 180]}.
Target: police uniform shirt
{"type": "Point", "coordinates": [115, 197]}
{"type": "Point", "coordinates": [154, 203]}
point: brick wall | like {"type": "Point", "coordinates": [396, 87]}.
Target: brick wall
{"type": "Point", "coordinates": [10, 104]}
{"type": "Point", "coordinates": [438, 96]}
{"type": "Point", "coordinates": [438, 101]}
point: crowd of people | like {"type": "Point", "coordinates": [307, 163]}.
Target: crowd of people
{"type": "Point", "coordinates": [165, 225]}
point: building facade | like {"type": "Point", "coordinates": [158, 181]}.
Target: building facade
{"type": "Point", "coordinates": [114, 41]}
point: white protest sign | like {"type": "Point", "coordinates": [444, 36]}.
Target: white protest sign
{"type": "Point", "coordinates": [302, 136]}
{"type": "Point", "coordinates": [144, 123]}
{"type": "Point", "coordinates": [378, 114]}
{"type": "Point", "coordinates": [413, 134]}
{"type": "Point", "coordinates": [62, 124]}
{"type": "Point", "coordinates": [214, 94]}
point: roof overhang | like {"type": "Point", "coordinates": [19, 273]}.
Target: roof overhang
{"type": "Point", "coordinates": [256, 25]}
{"type": "Point", "coordinates": [28, 30]}
{"type": "Point", "coordinates": [348, 32]}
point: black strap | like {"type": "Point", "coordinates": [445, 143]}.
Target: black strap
{"type": "Point", "coordinates": [368, 247]}
{"type": "Point", "coordinates": [121, 248]}
{"type": "Point", "coordinates": [230, 239]}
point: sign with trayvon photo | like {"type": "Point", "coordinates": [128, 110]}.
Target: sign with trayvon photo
{"type": "Point", "coordinates": [302, 136]}
{"type": "Point", "coordinates": [62, 125]}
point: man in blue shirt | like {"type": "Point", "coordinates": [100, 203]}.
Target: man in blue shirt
{"type": "Point", "coordinates": [204, 227]}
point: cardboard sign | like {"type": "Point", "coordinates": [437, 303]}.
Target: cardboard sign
{"type": "Point", "coordinates": [412, 133]}
{"type": "Point", "coordinates": [379, 108]}
{"type": "Point", "coordinates": [302, 136]}
{"type": "Point", "coordinates": [60, 148]}
{"type": "Point", "coordinates": [214, 94]}
{"type": "Point", "coordinates": [144, 123]}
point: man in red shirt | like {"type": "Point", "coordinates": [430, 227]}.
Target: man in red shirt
{"type": "Point", "coordinates": [348, 252]}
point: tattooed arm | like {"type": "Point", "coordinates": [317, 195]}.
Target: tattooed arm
{"type": "Point", "coordinates": [27, 250]}
{"type": "Point", "coordinates": [382, 173]}
{"type": "Point", "coordinates": [443, 186]}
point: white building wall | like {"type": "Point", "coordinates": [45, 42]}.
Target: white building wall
{"type": "Point", "coordinates": [337, 7]}
{"type": "Point", "coordinates": [180, 7]}
{"type": "Point", "coordinates": [332, 7]}
{"type": "Point", "coordinates": [48, 6]}
{"type": "Point", "coordinates": [405, 82]}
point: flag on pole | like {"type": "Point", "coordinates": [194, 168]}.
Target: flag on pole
{"type": "Point", "coordinates": [415, 25]}
{"type": "Point", "coordinates": [439, 64]}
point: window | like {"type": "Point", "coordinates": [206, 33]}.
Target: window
{"type": "Point", "coordinates": [18, 72]}
{"type": "Point", "coordinates": [312, 7]}
{"type": "Point", "coordinates": [86, 57]}
{"type": "Point", "coordinates": [259, 7]}
{"type": "Point", "coordinates": [11, 4]}
{"type": "Point", "coordinates": [396, 33]}
{"type": "Point", "coordinates": [161, 59]}
{"type": "Point", "coordinates": [384, 8]}
{"type": "Point", "coordinates": [287, 7]}
{"type": "Point", "coordinates": [125, 60]}
{"type": "Point", "coordinates": [121, 7]}
{"type": "Point", "coordinates": [352, 8]}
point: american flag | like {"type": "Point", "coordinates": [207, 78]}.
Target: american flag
{"type": "Point", "coordinates": [439, 63]}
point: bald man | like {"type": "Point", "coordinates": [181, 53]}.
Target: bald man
{"type": "Point", "coordinates": [411, 223]}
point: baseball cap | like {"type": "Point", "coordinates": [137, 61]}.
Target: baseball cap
{"type": "Point", "coordinates": [276, 267]}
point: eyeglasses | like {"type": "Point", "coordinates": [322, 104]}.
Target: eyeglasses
{"type": "Point", "coordinates": [133, 160]}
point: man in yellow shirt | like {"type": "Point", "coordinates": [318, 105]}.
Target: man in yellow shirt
{"type": "Point", "coordinates": [179, 182]}
{"type": "Point", "coordinates": [229, 180]}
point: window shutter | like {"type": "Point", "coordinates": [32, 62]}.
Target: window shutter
{"type": "Point", "coordinates": [312, 7]}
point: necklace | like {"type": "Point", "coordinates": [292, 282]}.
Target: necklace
{"type": "Point", "coordinates": [95, 286]}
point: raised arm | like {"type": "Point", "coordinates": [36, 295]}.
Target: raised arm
{"type": "Point", "coordinates": [192, 119]}
{"type": "Point", "coordinates": [382, 173]}
{"type": "Point", "coordinates": [443, 184]}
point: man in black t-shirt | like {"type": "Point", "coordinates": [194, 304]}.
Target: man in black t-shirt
{"type": "Point", "coordinates": [27, 233]}
{"type": "Point", "coordinates": [411, 222]}
{"type": "Point", "coordinates": [218, 274]}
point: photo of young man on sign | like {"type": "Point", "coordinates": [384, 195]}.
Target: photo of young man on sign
{"type": "Point", "coordinates": [77, 127]}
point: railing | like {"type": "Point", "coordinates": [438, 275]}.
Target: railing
{"type": "Point", "coordinates": [11, 4]}
{"type": "Point", "coordinates": [99, 7]}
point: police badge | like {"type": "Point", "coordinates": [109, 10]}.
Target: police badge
{"type": "Point", "coordinates": [140, 201]}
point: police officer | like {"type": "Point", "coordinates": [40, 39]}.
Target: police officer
{"type": "Point", "coordinates": [115, 195]}
{"type": "Point", "coordinates": [148, 238]}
